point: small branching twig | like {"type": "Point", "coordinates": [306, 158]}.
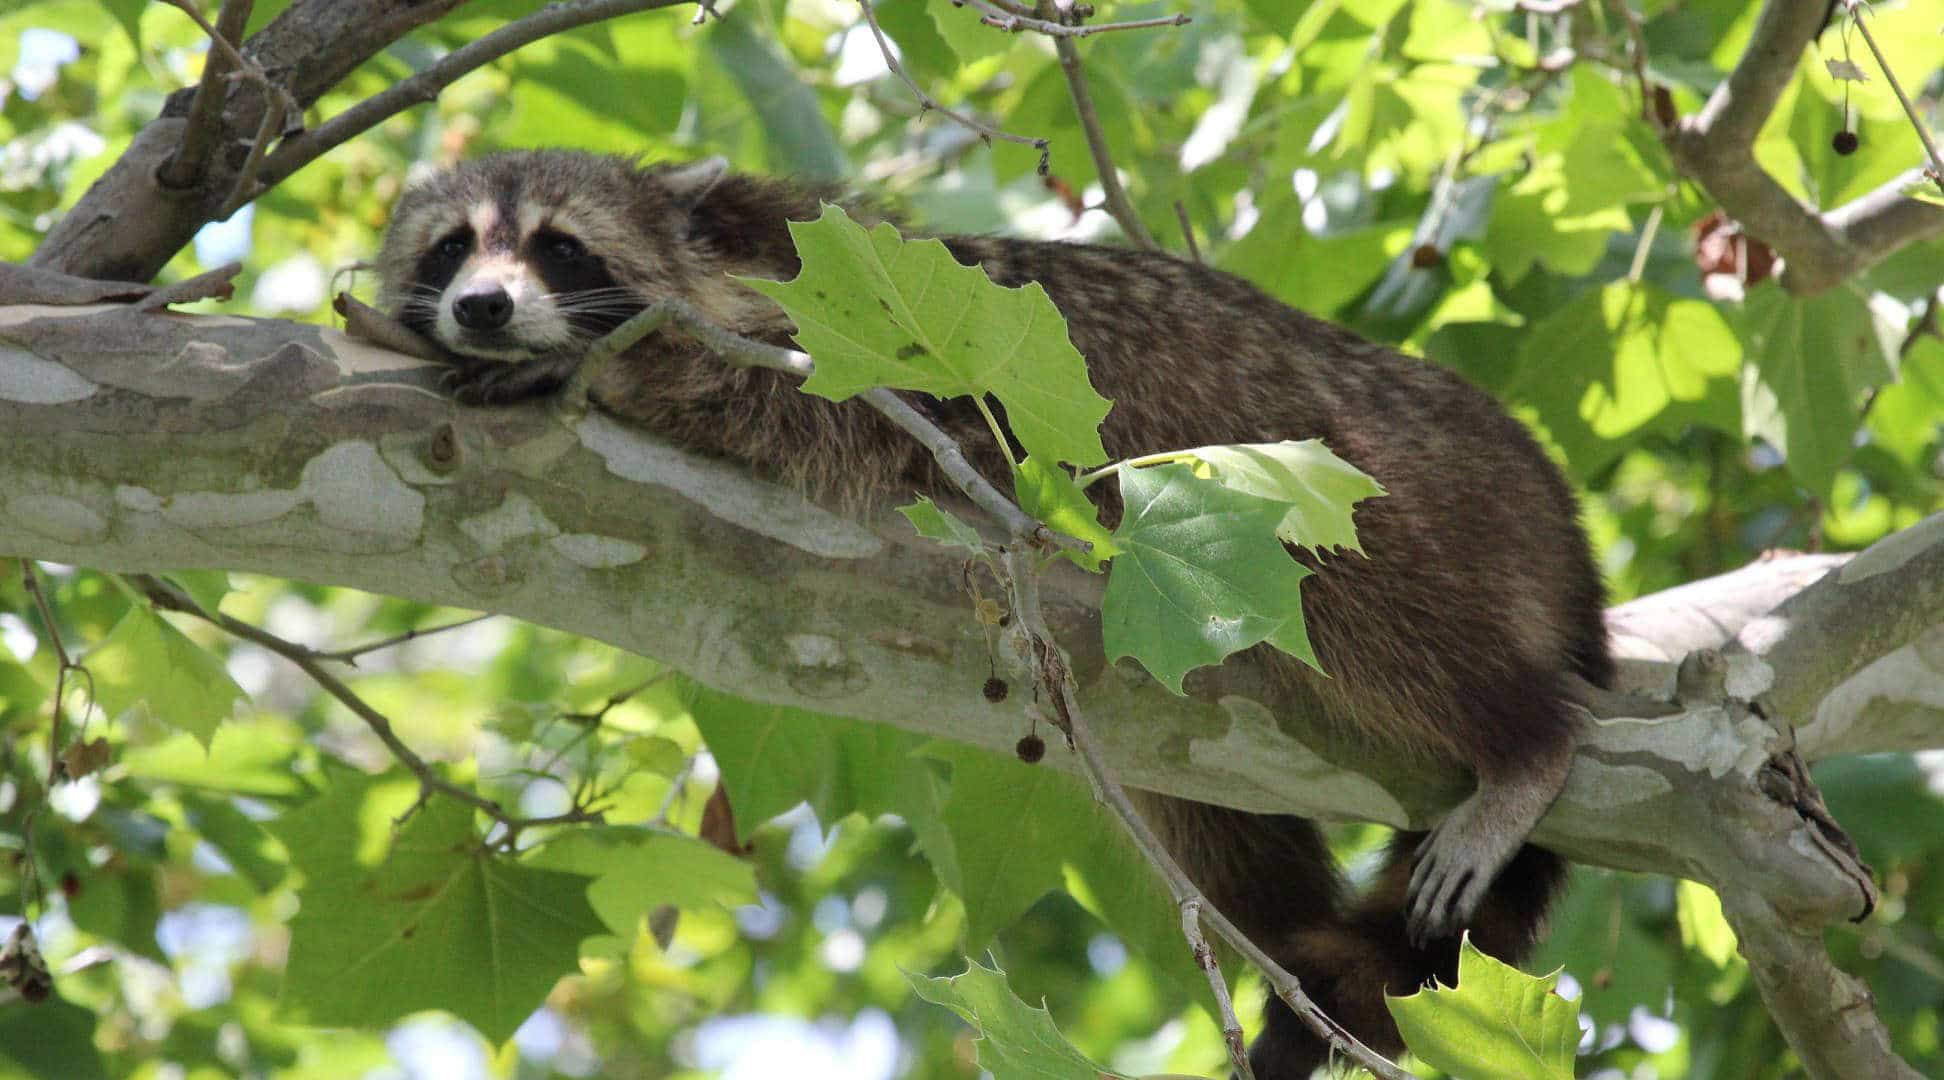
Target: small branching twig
{"type": "Point", "coordinates": [1118, 205]}
{"type": "Point", "coordinates": [927, 103]}
{"type": "Point", "coordinates": [277, 102]}
{"type": "Point", "coordinates": [300, 150]}
{"type": "Point", "coordinates": [350, 656]}
{"type": "Point", "coordinates": [1205, 959]}
{"type": "Point", "coordinates": [1187, 231]}
{"type": "Point", "coordinates": [1013, 22]}
{"type": "Point", "coordinates": [204, 125]}
{"type": "Point", "coordinates": [1936, 171]}
{"type": "Point", "coordinates": [615, 701]}
{"type": "Point", "coordinates": [1056, 684]}
{"type": "Point", "coordinates": [168, 597]}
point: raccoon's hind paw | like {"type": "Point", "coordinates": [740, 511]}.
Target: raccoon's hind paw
{"type": "Point", "coordinates": [500, 383]}
{"type": "Point", "coordinates": [1455, 865]}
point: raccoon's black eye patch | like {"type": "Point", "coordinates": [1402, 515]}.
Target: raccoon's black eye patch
{"type": "Point", "coordinates": [440, 262]}
{"type": "Point", "coordinates": [558, 246]}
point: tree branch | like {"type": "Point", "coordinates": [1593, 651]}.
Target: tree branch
{"type": "Point", "coordinates": [927, 103]}
{"type": "Point", "coordinates": [293, 451]}
{"type": "Point", "coordinates": [1118, 206]}
{"type": "Point", "coordinates": [1716, 148]}
{"type": "Point", "coordinates": [205, 113]}
{"type": "Point", "coordinates": [424, 86]}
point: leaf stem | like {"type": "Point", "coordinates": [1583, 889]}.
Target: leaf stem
{"type": "Point", "coordinates": [998, 432]}
{"type": "Point", "coordinates": [1165, 457]}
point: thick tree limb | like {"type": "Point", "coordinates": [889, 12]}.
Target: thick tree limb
{"type": "Point", "coordinates": [130, 222]}
{"type": "Point", "coordinates": [151, 442]}
{"type": "Point", "coordinates": [1716, 148]}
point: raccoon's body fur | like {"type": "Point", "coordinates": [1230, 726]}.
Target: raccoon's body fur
{"type": "Point", "coordinates": [1448, 639]}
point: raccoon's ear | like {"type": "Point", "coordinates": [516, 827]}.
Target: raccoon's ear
{"type": "Point", "coordinates": [688, 184]}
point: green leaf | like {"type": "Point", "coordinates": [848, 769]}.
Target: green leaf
{"type": "Point", "coordinates": [1622, 361]}
{"type": "Point", "coordinates": [246, 844]}
{"type": "Point", "coordinates": [1018, 831]}
{"type": "Point", "coordinates": [1016, 1041]}
{"type": "Point", "coordinates": [657, 754]}
{"type": "Point", "coordinates": [876, 310]}
{"type": "Point", "coordinates": [942, 525]}
{"type": "Point", "coordinates": [1704, 929]}
{"type": "Point", "coordinates": [266, 759]}
{"type": "Point", "coordinates": [53, 1040]}
{"type": "Point", "coordinates": [1498, 1023]}
{"type": "Point", "coordinates": [1810, 359]}
{"type": "Point", "coordinates": [1200, 575]}
{"type": "Point", "coordinates": [1319, 487]}
{"type": "Point", "coordinates": [799, 139]}
{"type": "Point", "coordinates": [144, 660]}
{"type": "Point", "coordinates": [206, 587]}
{"type": "Point", "coordinates": [773, 757]}
{"type": "Point", "coordinates": [970, 38]}
{"type": "Point", "coordinates": [1051, 495]}
{"type": "Point", "coordinates": [421, 917]}
{"type": "Point", "coordinates": [637, 869]}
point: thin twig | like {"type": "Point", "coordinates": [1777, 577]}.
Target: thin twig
{"type": "Point", "coordinates": [277, 104]}
{"type": "Point", "coordinates": [424, 86]}
{"type": "Point", "coordinates": [167, 596]}
{"type": "Point", "coordinates": [616, 700]}
{"type": "Point", "coordinates": [1923, 132]}
{"type": "Point", "coordinates": [1205, 959]}
{"type": "Point", "coordinates": [1118, 205]}
{"type": "Point", "coordinates": [1187, 231]}
{"type": "Point", "coordinates": [31, 581]}
{"type": "Point", "coordinates": [927, 102]}
{"type": "Point", "coordinates": [1013, 22]}
{"type": "Point", "coordinates": [350, 655]}
{"type": "Point", "coordinates": [1637, 55]}
{"type": "Point", "coordinates": [204, 123]}
{"type": "Point", "coordinates": [1056, 683]}
{"type": "Point", "coordinates": [1647, 233]}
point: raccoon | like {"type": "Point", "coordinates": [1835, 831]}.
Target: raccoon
{"type": "Point", "coordinates": [1449, 638]}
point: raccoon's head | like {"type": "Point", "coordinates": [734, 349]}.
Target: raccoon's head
{"type": "Point", "coordinates": [523, 254]}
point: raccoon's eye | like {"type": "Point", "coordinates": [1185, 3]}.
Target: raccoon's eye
{"type": "Point", "coordinates": [565, 248]}
{"type": "Point", "coordinates": [454, 246]}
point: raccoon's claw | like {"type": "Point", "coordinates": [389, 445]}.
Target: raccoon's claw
{"type": "Point", "coordinates": [499, 383]}
{"type": "Point", "coordinates": [1454, 866]}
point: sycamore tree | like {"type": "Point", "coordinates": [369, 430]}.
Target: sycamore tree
{"type": "Point", "coordinates": [345, 731]}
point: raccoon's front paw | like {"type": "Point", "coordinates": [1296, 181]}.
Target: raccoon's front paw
{"type": "Point", "coordinates": [495, 383]}
{"type": "Point", "coordinates": [1455, 865]}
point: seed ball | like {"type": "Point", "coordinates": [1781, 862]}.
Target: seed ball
{"type": "Point", "coordinates": [1844, 142]}
{"type": "Point", "coordinates": [1031, 749]}
{"type": "Point", "coordinates": [995, 689]}
{"type": "Point", "coordinates": [1426, 256]}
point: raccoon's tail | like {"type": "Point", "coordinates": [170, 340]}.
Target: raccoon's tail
{"type": "Point", "coordinates": [1347, 963]}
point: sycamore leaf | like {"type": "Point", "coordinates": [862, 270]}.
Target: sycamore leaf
{"type": "Point", "coordinates": [1020, 831]}
{"type": "Point", "coordinates": [874, 309]}
{"type": "Point", "coordinates": [1319, 487]}
{"type": "Point", "coordinates": [1051, 496]}
{"type": "Point", "coordinates": [1810, 360]}
{"type": "Point", "coordinates": [1498, 1023]}
{"type": "Point", "coordinates": [1200, 575]}
{"type": "Point", "coordinates": [145, 660]}
{"type": "Point", "coordinates": [1016, 1041]}
{"type": "Point", "coordinates": [937, 523]}
{"type": "Point", "coordinates": [394, 921]}
{"type": "Point", "coordinates": [637, 869]}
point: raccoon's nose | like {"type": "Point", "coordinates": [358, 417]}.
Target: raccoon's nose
{"type": "Point", "coordinates": [483, 310]}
